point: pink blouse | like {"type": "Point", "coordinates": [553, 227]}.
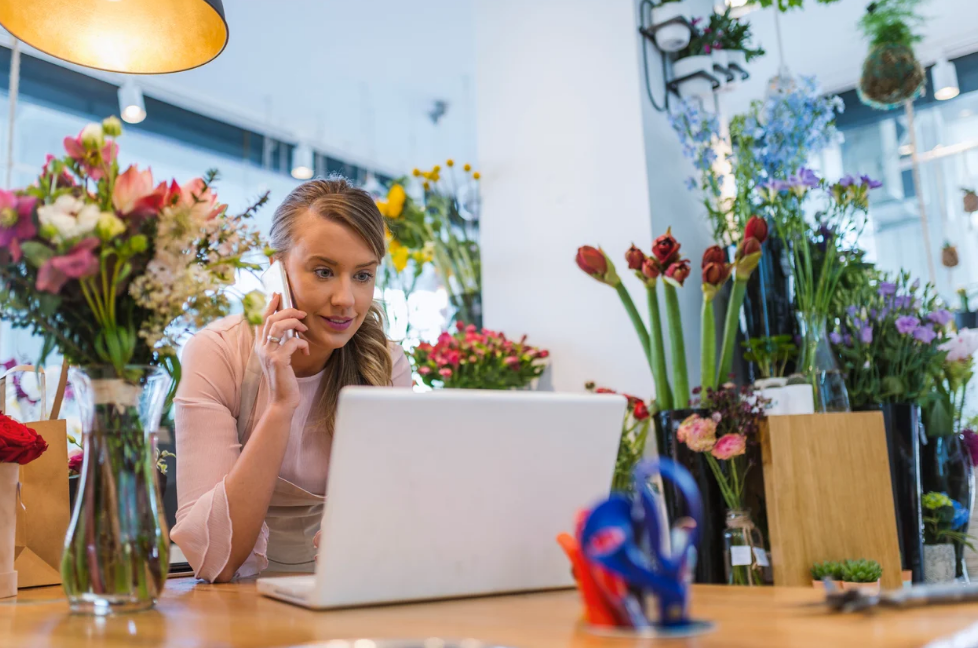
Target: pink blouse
{"type": "Point", "coordinates": [207, 402]}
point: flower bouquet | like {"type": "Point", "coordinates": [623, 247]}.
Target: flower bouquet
{"type": "Point", "coordinates": [634, 431]}
{"type": "Point", "coordinates": [112, 269]}
{"type": "Point", "coordinates": [478, 359]}
{"type": "Point", "coordinates": [945, 521]}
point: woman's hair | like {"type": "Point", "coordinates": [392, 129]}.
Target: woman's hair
{"type": "Point", "coordinates": [366, 358]}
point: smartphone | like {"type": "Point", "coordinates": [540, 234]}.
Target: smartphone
{"type": "Point", "coordinates": [276, 281]}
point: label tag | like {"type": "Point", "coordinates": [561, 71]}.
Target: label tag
{"type": "Point", "coordinates": [739, 556]}
{"type": "Point", "coordinates": [761, 556]}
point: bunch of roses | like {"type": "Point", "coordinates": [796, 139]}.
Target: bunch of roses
{"type": "Point", "coordinates": [18, 443]}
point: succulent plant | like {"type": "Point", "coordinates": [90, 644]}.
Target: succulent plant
{"type": "Point", "coordinates": [861, 571]}
{"type": "Point", "coordinates": [828, 569]}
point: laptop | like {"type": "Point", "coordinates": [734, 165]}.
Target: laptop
{"type": "Point", "coordinates": [454, 493]}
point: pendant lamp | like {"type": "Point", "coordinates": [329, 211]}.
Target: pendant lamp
{"type": "Point", "coordinates": [131, 36]}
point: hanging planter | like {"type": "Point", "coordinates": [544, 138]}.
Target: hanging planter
{"type": "Point", "coordinates": [672, 32]}
{"type": "Point", "coordinates": [694, 77]}
{"type": "Point", "coordinates": [891, 73]}
{"type": "Point", "coordinates": [949, 255]}
{"type": "Point", "coordinates": [970, 201]}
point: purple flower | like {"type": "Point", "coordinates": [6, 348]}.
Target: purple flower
{"type": "Point", "coordinates": [852, 310]}
{"type": "Point", "coordinates": [835, 337]}
{"type": "Point", "coordinates": [869, 182]}
{"type": "Point", "coordinates": [847, 181]}
{"type": "Point", "coordinates": [886, 288]}
{"type": "Point", "coordinates": [907, 324]}
{"type": "Point", "coordinates": [924, 334]}
{"type": "Point", "coordinates": [971, 440]}
{"type": "Point", "coordinates": [883, 313]}
{"type": "Point", "coordinates": [866, 335]}
{"type": "Point", "coordinates": [806, 177]}
{"type": "Point", "coordinates": [776, 185]}
{"type": "Point", "coordinates": [847, 339]}
{"type": "Point", "coordinates": [915, 285]}
{"type": "Point", "coordinates": [940, 317]}
{"type": "Point", "coordinates": [903, 301]}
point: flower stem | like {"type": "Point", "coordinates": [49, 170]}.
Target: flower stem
{"type": "Point", "coordinates": [730, 327]}
{"type": "Point", "coordinates": [663, 392]}
{"type": "Point", "coordinates": [680, 377]}
{"type": "Point", "coordinates": [708, 345]}
{"type": "Point", "coordinates": [637, 322]}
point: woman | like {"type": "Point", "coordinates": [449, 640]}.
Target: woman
{"type": "Point", "coordinates": [255, 408]}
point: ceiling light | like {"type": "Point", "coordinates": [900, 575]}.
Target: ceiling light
{"type": "Point", "coordinates": [302, 163]}
{"type": "Point", "coordinates": [738, 8]}
{"type": "Point", "coordinates": [945, 77]}
{"type": "Point", "coordinates": [131, 105]}
{"type": "Point", "coordinates": [143, 37]}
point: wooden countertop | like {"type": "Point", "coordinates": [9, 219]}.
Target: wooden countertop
{"type": "Point", "coordinates": [235, 615]}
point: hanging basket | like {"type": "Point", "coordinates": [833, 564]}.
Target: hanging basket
{"type": "Point", "coordinates": [970, 202]}
{"type": "Point", "coordinates": [949, 256]}
{"type": "Point", "coordinates": [891, 75]}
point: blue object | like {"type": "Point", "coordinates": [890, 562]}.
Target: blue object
{"type": "Point", "coordinates": [625, 537]}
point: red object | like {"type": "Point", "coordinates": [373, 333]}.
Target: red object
{"type": "Point", "coordinates": [666, 249]}
{"type": "Point", "coordinates": [748, 246]}
{"type": "Point", "coordinates": [713, 254]}
{"type": "Point", "coordinates": [75, 462]}
{"type": "Point", "coordinates": [756, 228]}
{"type": "Point", "coordinates": [18, 443]}
{"type": "Point", "coordinates": [591, 260]}
{"type": "Point", "coordinates": [641, 411]}
{"type": "Point", "coordinates": [678, 271]}
{"type": "Point", "coordinates": [716, 273]}
{"type": "Point", "coordinates": [635, 258]}
{"type": "Point", "coordinates": [651, 269]}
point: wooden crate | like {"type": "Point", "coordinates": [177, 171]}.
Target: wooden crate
{"type": "Point", "coordinates": [827, 481]}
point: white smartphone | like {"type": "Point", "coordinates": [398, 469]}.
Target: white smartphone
{"type": "Point", "coordinates": [276, 281]}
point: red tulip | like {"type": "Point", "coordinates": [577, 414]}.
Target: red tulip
{"type": "Point", "coordinates": [748, 246]}
{"type": "Point", "coordinates": [713, 254]}
{"type": "Point", "coordinates": [756, 229]}
{"type": "Point", "coordinates": [677, 272]}
{"type": "Point", "coordinates": [459, 325]}
{"type": "Point", "coordinates": [635, 258]}
{"type": "Point", "coordinates": [666, 249]}
{"type": "Point", "coordinates": [641, 411]}
{"type": "Point", "coordinates": [651, 269]}
{"type": "Point", "coordinates": [595, 262]}
{"type": "Point", "coordinates": [715, 274]}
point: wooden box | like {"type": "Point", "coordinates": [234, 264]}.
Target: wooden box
{"type": "Point", "coordinates": [829, 496]}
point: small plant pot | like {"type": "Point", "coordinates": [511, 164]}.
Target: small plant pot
{"type": "Point", "coordinates": [870, 589]}
{"type": "Point", "coordinates": [674, 37]}
{"type": "Point", "coordinates": [720, 58]}
{"type": "Point", "coordinates": [939, 565]}
{"type": "Point", "coordinates": [907, 577]}
{"type": "Point", "coordinates": [697, 86]}
{"type": "Point", "coordinates": [738, 58]}
{"type": "Point", "coordinates": [820, 585]}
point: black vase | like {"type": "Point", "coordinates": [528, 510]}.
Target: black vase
{"type": "Point", "coordinates": [903, 431]}
{"type": "Point", "coordinates": [710, 563]}
{"type": "Point", "coordinates": [966, 319]}
{"type": "Point", "coordinates": [945, 467]}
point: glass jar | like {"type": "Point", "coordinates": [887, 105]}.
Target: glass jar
{"type": "Point", "coordinates": [819, 365]}
{"type": "Point", "coordinates": [743, 547]}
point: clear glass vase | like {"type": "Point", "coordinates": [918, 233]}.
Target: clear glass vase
{"type": "Point", "coordinates": [818, 364]}
{"type": "Point", "coordinates": [743, 547]}
{"type": "Point", "coordinates": [116, 555]}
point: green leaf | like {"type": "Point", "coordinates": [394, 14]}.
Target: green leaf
{"type": "Point", "coordinates": [37, 254]}
{"type": "Point", "coordinates": [48, 303]}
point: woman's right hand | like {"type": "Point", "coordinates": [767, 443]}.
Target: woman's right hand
{"type": "Point", "coordinates": [276, 356]}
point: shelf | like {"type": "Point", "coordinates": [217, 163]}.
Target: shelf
{"type": "Point", "coordinates": [702, 74]}
{"type": "Point", "coordinates": [744, 75]}
{"type": "Point", "coordinates": [725, 71]}
{"type": "Point", "coordinates": [649, 32]}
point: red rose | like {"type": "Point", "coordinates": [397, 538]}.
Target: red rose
{"type": "Point", "coordinates": [713, 254]}
{"type": "Point", "coordinates": [666, 249]}
{"type": "Point", "coordinates": [75, 461]}
{"type": "Point", "coordinates": [677, 272]}
{"type": "Point", "coordinates": [756, 228]}
{"type": "Point", "coordinates": [641, 411]}
{"type": "Point", "coordinates": [635, 258]}
{"type": "Point", "coordinates": [18, 443]}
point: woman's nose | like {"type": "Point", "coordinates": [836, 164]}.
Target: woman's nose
{"type": "Point", "coordinates": [343, 296]}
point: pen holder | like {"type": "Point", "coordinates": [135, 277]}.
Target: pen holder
{"type": "Point", "coordinates": [624, 552]}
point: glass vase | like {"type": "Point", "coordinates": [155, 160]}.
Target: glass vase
{"type": "Point", "coordinates": [117, 547]}
{"type": "Point", "coordinates": [743, 549]}
{"type": "Point", "coordinates": [819, 365]}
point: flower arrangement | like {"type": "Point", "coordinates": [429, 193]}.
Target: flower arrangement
{"type": "Point", "coordinates": [634, 433]}
{"type": "Point", "coordinates": [19, 444]}
{"type": "Point", "coordinates": [111, 268]}
{"type": "Point", "coordinates": [944, 411]}
{"type": "Point", "coordinates": [442, 228]}
{"type": "Point", "coordinates": [770, 354]}
{"type": "Point", "coordinates": [943, 520]}
{"type": "Point", "coordinates": [890, 343]}
{"type": "Point", "coordinates": [891, 72]}
{"type": "Point", "coordinates": [730, 33]}
{"type": "Point", "coordinates": [478, 359]}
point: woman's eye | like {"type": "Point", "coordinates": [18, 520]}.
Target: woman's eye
{"type": "Point", "coordinates": [323, 273]}
{"type": "Point", "coordinates": [364, 277]}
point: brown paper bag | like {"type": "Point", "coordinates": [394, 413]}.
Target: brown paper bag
{"type": "Point", "coordinates": [42, 521]}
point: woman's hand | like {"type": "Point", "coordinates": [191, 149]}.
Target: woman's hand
{"type": "Point", "coordinates": [275, 351]}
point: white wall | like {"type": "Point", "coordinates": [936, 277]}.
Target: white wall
{"type": "Point", "coordinates": [559, 126]}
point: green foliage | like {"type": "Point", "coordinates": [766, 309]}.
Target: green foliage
{"type": "Point", "coordinates": [892, 22]}
{"type": "Point", "coordinates": [770, 354]}
{"type": "Point", "coordinates": [785, 5]}
{"type": "Point", "coordinates": [828, 569]}
{"type": "Point", "coordinates": [861, 571]}
{"type": "Point", "coordinates": [733, 34]}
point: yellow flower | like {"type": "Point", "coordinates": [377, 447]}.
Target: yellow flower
{"type": "Point", "coordinates": [450, 162]}
{"type": "Point", "coordinates": [476, 175]}
{"type": "Point", "coordinates": [382, 207]}
{"type": "Point", "coordinates": [388, 237]}
{"type": "Point", "coordinates": [467, 167]}
{"type": "Point", "coordinates": [426, 186]}
{"type": "Point", "coordinates": [435, 177]}
{"type": "Point", "coordinates": [416, 173]}
{"type": "Point", "coordinates": [428, 251]}
{"type": "Point", "coordinates": [399, 256]}
{"type": "Point", "coordinates": [435, 169]}
{"type": "Point", "coordinates": [395, 201]}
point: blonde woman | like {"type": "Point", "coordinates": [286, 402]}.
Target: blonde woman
{"type": "Point", "coordinates": [255, 408]}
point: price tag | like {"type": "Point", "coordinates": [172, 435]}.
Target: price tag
{"type": "Point", "coordinates": [761, 556]}
{"type": "Point", "coordinates": [739, 556]}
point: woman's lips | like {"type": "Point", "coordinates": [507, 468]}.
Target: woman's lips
{"type": "Point", "coordinates": [338, 323]}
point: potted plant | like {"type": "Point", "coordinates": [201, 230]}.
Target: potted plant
{"type": "Point", "coordinates": [970, 200]}
{"type": "Point", "coordinates": [672, 37]}
{"type": "Point", "coordinates": [829, 569]}
{"type": "Point", "coordinates": [732, 39]}
{"type": "Point", "coordinates": [863, 575]}
{"type": "Point", "coordinates": [771, 356]}
{"type": "Point", "coordinates": [964, 317]}
{"type": "Point", "coordinates": [943, 520]}
{"type": "Point", "coordinates": [634, 433]}
{"type": "Point", "coordinates": [891, 72]}
{"type": "Point", "coordinates": [695, 58]}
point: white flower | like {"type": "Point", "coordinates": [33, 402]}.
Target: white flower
{"type": "Point", "coordinates": [962, 346]}
{"type": "Point", "coordinates": [68, 218]}
{"type": "Point", "coordinates": [93, 137]}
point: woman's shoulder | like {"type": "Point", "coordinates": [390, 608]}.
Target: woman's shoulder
{"type": "Point", "coordinates": [229, 337]}
{"type": "Point", "coordinates": [400, 366]}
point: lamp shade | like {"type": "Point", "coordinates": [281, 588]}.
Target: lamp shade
{"type": "Point", "coordinates": [132, 108]}
{"type": "Point", "coordinates": [131, 36]}
{"type": "Point", "coordinates": [945, 80]}
{"type": "Point", "coordinates": [302, 162]}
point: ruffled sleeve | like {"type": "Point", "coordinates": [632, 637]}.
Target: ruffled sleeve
{"type": "Point", "coordinates": [401, 372]}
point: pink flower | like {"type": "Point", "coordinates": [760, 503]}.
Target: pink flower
{"type": "Point", "coordinates": [424, 371]}
{"type": "Point", "coordinates": [201, 201]}
{"type": "Point", "coordinates": [79, 262]}
{"type": "Point", "coordinates": [64, 178]}
{"type": "Point", "coordinates": [75, 461]}
{"type": "Point", "coordinates": [134, 194]}
{"type": "Point", "coordinates": [16, 224]}
{"type": "Point", "coordinates": [699, 434]}
{"type": "Point", "coordinates": [94, 161]}
{"type": "Point", "coordinates": [512, 362]}
{"type": "Point", "coordinates": [729, 446]}
{"type": "Point", "coordinates": [962, 346]}
{"type": "Point", "coordinates": [445, 373]}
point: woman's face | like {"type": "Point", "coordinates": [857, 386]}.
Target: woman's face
{"type": "Point", "coordinates": [332, 272]}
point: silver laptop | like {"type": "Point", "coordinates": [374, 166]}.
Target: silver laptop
{"type": "Point", "coordinates": [454, 493]}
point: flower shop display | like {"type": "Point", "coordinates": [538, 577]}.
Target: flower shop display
{"type": "Point", "coordinates": [478, 359]}
{"type": "Point", "coordinates": [634, 434]}
{"type": "Point", "coordinates": [891, 72]}
{"type": "Point", "coordinates": [441, 228]}
{"type": "Point", "coordinates": [829, 569]}
{"type": "Point", "coordinates": [863, 575]}
{"type": "Point", "coordinates": [693, 67]}
{"type": "Point", "coordinates": [785, 395]}
{"type": "Point", "coordinates": [944, 521]}
{"type": "Point", "coordinates": [112, 269]}
{"type": "Point", "coordinates": [19, 445]}
{"type": "Point", "coordinates": [671, 35]}
{"type": "Point", "coordinates": [728, 421]}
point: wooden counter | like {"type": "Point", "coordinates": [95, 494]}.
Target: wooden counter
{"type": "Point", "coordinates": [193, 614]}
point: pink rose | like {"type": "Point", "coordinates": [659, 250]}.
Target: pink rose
{"type": "Point", "coordinates": [729, 446]}
{"type": "Point", "coordinates": [16, 224]}
{"type": "Point", "coordinates": [699, 434]}
{"type": "Point", "coordinates": [79, 262]}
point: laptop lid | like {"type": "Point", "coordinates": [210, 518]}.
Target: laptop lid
{"type": "Point", "coordinates": [458, 492]}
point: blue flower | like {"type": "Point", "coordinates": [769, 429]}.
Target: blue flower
{"type": "Point", "coordinates": [835, 337]}
{"type": "Point", "coordinates": [870, 183]}
{"type": "Point", "coordinates": [961, 515]}
{"type": "Point", "coordinates": [852, 310]}
{"type": "Point", "coordinates": [691, 183]}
